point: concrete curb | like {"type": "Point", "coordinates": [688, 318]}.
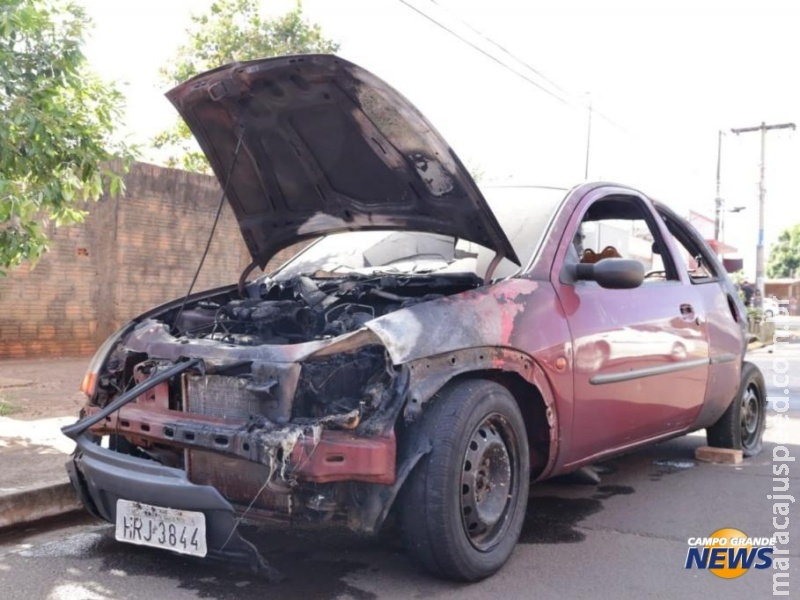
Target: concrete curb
{"type": "Point", "coordinates": [36, 503]}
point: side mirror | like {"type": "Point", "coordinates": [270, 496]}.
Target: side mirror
{"type": "Point", "coordinates": [612, 273]}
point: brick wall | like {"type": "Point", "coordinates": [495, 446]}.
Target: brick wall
{"type": "Point", "coordinates": [131, 254]}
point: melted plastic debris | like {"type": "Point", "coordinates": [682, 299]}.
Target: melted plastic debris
{"type": "Point", "coordinates": [279, 441]}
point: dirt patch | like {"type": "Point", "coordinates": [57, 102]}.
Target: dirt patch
{"type": "Point", "coordinates": [41, 388]}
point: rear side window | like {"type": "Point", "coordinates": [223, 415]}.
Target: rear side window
{"type": "Point", "coordinates": [694, 254]}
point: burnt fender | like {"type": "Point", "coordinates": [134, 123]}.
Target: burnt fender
{"type": "Point", "coordinates": [429, 375]}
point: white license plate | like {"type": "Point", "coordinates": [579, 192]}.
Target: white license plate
{"type": "Point", "coordinates": [181, 531]}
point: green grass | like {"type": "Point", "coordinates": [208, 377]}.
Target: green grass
{"type": "Point", "coordinates": [6, 408]}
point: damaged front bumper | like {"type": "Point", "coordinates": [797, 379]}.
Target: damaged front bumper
{"type": "Point", "coordinates": [102, 477]}
{"type": "Point", "coordinates": [226, 467]}
{"type": "Point", "coordinates": [299, 452]}
{"type": "Point", "coordinates": [302, 433]}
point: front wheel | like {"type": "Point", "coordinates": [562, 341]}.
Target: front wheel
{"type": "Point", "coordinates": [463, 507]}
{"type": "Point", "coordinates": [741, 427]}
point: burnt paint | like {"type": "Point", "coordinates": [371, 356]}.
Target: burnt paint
{"type": "Point", "coordinates": [511, 322]}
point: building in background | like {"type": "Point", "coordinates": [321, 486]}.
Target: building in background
{"type": "Point", "coordinates": [787, 291]}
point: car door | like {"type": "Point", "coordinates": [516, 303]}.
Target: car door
{"type": "Point", "coordinates": [639, 356]}
{"type": "Point", "coordinates": [726, 315]}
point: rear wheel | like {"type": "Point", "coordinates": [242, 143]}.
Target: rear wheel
{"type": "Point", "coordinates": [742, 426]}
{"type": "Point", "coordinates": [463, 506]}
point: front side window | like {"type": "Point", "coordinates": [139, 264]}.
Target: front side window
{"type": "Point", "coordinates": [621, 227]}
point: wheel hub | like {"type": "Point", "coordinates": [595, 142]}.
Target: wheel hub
{"type": "Point", "coordinates": [750, 416]}
{"type": "Point", "coordinates": [486, 482]}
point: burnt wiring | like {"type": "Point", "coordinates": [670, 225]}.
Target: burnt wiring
{"type": "Point", "coordinates": [278, 454]}
{"type": "Point", "coordinates": [325, 381]}
{"type": "Point", "coordinates": [242, 517]}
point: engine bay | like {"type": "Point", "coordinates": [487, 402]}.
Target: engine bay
{"type": "Point", "coordinates": [305, 308]}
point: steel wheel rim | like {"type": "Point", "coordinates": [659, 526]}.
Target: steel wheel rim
{"type": "Point", "coordinates": [750, 416]}
{"type": "Point", "coordinates": [488, 482]}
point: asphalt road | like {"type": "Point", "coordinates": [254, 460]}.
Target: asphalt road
{"type": "Point", "coordinates": [626, 538]}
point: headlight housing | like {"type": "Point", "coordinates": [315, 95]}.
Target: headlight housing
{"type": "Point", "coordinates": [90, 379]}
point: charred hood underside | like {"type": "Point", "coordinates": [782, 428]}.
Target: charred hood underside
{"type": "Point", "coordinates": [326, 146]}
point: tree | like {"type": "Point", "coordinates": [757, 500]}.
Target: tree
{"type": "Point", "coordinates": [57, 119]}
{"type": "Point", "coordinates": [232, 30]}
{"type": "Point", "coordinates": [784, 256]}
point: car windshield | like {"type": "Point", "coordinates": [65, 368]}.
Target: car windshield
{"type": "Point", "coordinates": [523, 213]}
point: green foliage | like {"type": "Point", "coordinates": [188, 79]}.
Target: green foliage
{"type": "Point", "coordinates": [476, 171]}
{"type": "Point", "coordinates": [754, 314]}
{"type": "Point", "coordinates": [784, 256]}
{"type": "Point", "coordinates": [6, 407]}
{"type": "Point", "coordinates": [56, 123]}
{"type": "Point", "coordinates": [232, 30]}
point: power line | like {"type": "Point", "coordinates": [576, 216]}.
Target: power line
{"type": "Point", "coordinates": [528, 66]}
{"type": "Point", "coordinates": [485, 53]}
{"type": "Point", "coordinates": [501, 48]}
{"type": "Point", "coordinates": [570, 100]}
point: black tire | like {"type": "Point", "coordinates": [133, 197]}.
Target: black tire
{"type": "Point", "coordinates": [768, 314]}
{"type": "Point", "coordinates": [461, 520]}
{"type": "Point", "coordinates": [741, 427]}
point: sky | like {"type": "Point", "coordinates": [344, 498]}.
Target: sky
{"type": "Point", "coordinates": [662, 78]}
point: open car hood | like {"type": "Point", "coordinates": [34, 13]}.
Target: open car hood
{"type": "Point", "coordinates": [325, 147]}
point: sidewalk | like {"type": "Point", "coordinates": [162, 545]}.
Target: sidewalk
{"type": "Point", "coordinates": [37, 398]}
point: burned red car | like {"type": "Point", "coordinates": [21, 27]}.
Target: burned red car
{"type": "Point", "coordinates": [432, 351]}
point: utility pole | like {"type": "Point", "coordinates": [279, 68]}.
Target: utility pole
{"type": "Point", "coordinates": [718, 199]}
{"type": "Point", "coordinates": [762, 192]}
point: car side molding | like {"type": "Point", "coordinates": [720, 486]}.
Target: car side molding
{"type": "Point", "coordinates": [685, 365]}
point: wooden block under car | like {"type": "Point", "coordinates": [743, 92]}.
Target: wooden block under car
{"type": "Point", "coordinates": [718, 455]}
